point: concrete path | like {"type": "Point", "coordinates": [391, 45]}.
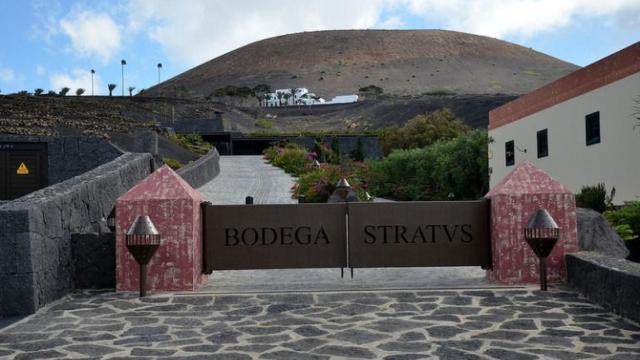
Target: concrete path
{"type": "Point", "coordinates": [292, 280]}
{"type": "Point", "coordinates": [464, 324]}
{"type": "Point", "coordinates": [242, 176]}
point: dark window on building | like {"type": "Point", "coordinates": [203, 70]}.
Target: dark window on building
{"type": "Point", "coordinates": [509, 153]}
{"type": "Point", "coordinates": [592, 122]}
{"type": "Point", "coordinates": [543, 144]}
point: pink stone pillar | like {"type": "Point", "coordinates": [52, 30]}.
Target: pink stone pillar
{"type": "Point", "coordinates": [174, 208]}
{"type": "Point", "coordinates": [513, 201]}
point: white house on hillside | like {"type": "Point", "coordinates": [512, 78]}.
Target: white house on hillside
{"type": "Point", "coordinates": [582, 129]}
{"type": "Point", "coordinates": [288, 97]}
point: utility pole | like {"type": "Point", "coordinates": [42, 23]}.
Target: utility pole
{"type": "Point", "coordinates": [159, 67]}
{"type": "Point", "coordinates": [92, 72]}
{"type": "Point", "coordinates": [123, 63]}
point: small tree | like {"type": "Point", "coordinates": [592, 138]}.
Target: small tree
{"type": "Point", "coordinates": [111, 87]}
{"type": "Point", "coordinates": [51, 93]}
{"type": "Point", "coordinates": [358, 153]}
{"type": "Point", "coordinates": [293, 95]}
{"type": "Point", "coordinates": [64, 91]}
{"type": "Point", "coordinates": [286, 98]}
{"type": "Point", "coordinates": [422, 131]}
{"type": "Point", "coordinates": [279, 95]}
{"type": "Point", "coordinates": [79, 91]}
{"type": "Point", "coordinates": [131, 88]}
{"type": "Point", "coordinates": [263, 88]}
{"type": "Point", "coordinates": [38, 92]}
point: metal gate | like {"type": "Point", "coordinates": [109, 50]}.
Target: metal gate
{"type": "Point", "coordinates": [356, 235]}
{"type": "Point", "coordinates": [23, 169]}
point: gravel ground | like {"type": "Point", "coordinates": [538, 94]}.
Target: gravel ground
{"type": "Point", "coordinates": [463, 324]}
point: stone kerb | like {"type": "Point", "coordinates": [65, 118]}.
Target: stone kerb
{"type": "Point", "coordinates": [174, 208]}
{"type": "Point", "coordinates": [513, 201]}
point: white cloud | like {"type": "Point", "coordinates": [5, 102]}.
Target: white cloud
{"type": "Point", "coordinates": [199, 30]}
{"type": "Point", "coordinates": [78, 78]}
{"type": "Point", "coordinates": [516, 18]}
{"type": "Point", "coordinates": [7, 75]}
{"type": "Point", "coordinates": [92, 34]}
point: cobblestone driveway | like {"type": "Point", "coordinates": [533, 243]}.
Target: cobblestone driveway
{"type": "Point", "coordinates": [242, 176]}
{"type": "Point", "coordinates": [461, 324]}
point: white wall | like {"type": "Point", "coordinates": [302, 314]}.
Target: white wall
{"type": "Point", "coordinates": [614, 161]}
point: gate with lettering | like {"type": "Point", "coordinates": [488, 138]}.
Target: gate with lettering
{"type": "Point", "coordinates": [356, 235]}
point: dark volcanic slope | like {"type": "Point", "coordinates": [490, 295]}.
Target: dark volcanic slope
{"type": "Point", "coordinates": [402, 62]}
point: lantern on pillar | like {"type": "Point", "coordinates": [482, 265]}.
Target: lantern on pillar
{"type": "Point", "coordinates": [343, 193]}
{"type": "Point", "coordinates": [542, 233]}
{"type": "Point", "coordinates": [142, 241]}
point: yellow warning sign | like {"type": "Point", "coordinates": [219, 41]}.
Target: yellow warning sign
{"type": "Point", "coordinates": [22, 169]}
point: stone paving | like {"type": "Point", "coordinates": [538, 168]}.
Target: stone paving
{"type": "Point", "coordinates": [241, 176]}
{"type": "Point", "coordinates": [460, 324]}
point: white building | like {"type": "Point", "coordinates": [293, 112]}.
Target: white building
{"type": "Point", "coordinates": [582, 129]}
{"type": "Point", "coordinates": [343, 99]}
{"type": "Point", "coordinates": [289, 97]}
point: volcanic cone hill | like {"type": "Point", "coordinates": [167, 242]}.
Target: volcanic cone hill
{"type": "Point", "coordinates": [401, 62]}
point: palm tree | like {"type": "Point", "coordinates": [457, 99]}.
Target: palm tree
{"type": "Point", "coordinates": [92, 73]}
{"type": "Point", "coordinates": [293, 95]}
{"type": "Point", "coordinates": [38, 91]}
{"type": "Point", "coordinates": [79, 91]}
{"type": "Point", "coordinates": [64, 91]}
{"type": "Point", "coordinates": [122, 64]}
{"type": "Point", "coordinates": [111, 88]}
{"type": "Point", "coordinates": [279, 95]}
{"type": "Point", "coordinates": [286, 98]}
{"type": "Point", "coordinates": [159, 67]}
{"type": "Point", "coordinates": [267, 99]}
{"type": "Point", "coordinates": [131, 88]}
{"type": "Point", "coordinates": [303, 96]}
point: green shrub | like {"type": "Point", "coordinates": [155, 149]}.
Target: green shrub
{"type": "Point", "coordinates": [358, 153]}
{"type": "Point", "coordinates": [172, 163]}
{"type": "Point", "coordinates": [292, 158]}
{"type": "Point", "coordinates": [335, 155]}
{"type": "Point", "coordinates": [626, 220]}
{"type": "Point", "coordinates": [458, 166]}
{"type": "Point", "coordinates": [595, 197]}
{"type": "Point", "coordinates": [192, 142]}
{"type": "Point", "coordinates": [371, 90]}
{"type": "Point", "coordinates": [264, 123]}
{"type": "Point", "coordinates": [422, 131]}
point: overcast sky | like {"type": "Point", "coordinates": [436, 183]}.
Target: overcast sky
{"type": "Point", "coordinates": [50, 44]}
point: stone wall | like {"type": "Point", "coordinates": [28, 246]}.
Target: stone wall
{"type": "Point", "coordinates": [611, 282]}
{"type": "Point", "coordinates": [36, 256]}
{"type": "Point", "coordinates": [70, 156]}
{"type": "Point", "coordinates": [202, 170]}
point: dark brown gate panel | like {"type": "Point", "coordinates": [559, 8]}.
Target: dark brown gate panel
{"type": "Point", "coordinates": [419, 234]}
{"type": "Point", "coordinates": [292, 236]}
{"type": "Point", "coordinates": [23, 169]}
